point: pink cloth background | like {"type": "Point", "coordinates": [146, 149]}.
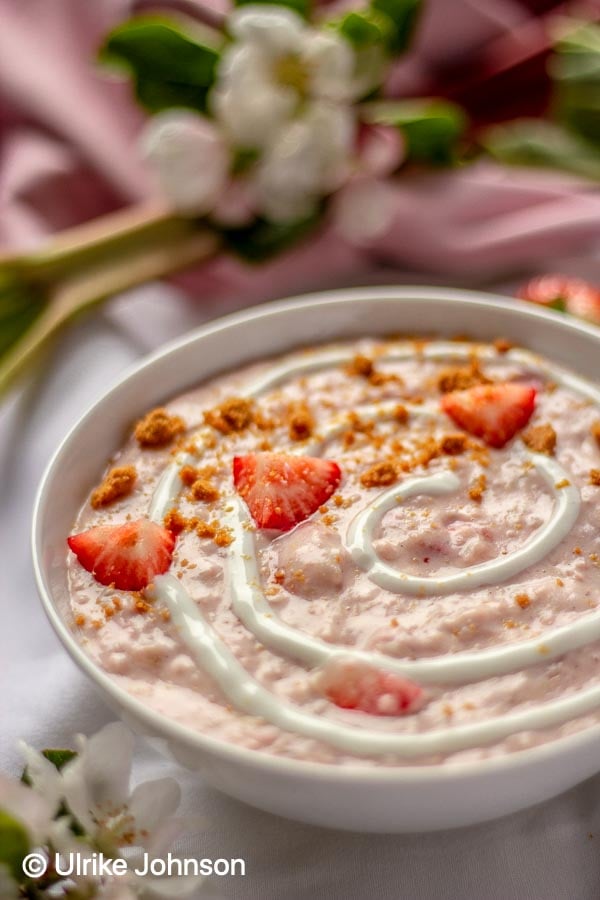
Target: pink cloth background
{"type": "Point", "coordinates": [68, 153]}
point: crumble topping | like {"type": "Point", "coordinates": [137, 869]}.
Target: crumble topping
{"type": "Point", "coordinates": [502, 345]}
{"type": "Point", "coordinates": [300, 421]}
{"type": "Point", "coordinates": [453, 444]}
{"type": "Point", "coordinates": [158, 428]}
{"type": "Point", "coordinates": [540, 438]}
{"type": "Point", "coordinates": [202, 489]}
{"type": "Point", "coordinates": [117, 483]}
{"type": "Point", "coordinates": [477, 489]}
{"type": "Point", "coordinates": [460, 378]}
{"type": "Point", "coordinates": [234, 414]}
{"type": "Point", "coordinates": [379, 475]}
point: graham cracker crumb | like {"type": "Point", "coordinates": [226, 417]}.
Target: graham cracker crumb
{"type": "Point", "coordinates": [459, 378]}
{"type": "Point", "coordinates": [595, 477]}
{"type": "Point", "coordinates": [300, 421]}
{"type": "Point", "coordinates": [234, 414]}
{"type": "Point", "coordinates": [477, 489]}
{"type": "Point", "coordinates": [453, 444]}
{"type": "Point", "coordinates": [503, 345]}
{"type": "Point", "coordinates": [379, 475]}
{"type": "Point", "coordinates": [203, 490]}
{"type": "Point", "coordinates": [175, 522]}
{"type": "Point", "coordinates": [158, 428]}
{"type": "Point", "coordinates": [562, 484]}
{"type": "Point", "coordinates": [560, 582]}
{"type": "Point", "coordinates": [595, 430]}
{"type": "Point", "coordinates": [540, 438]}
{"type": "Point", "coordinates": [522, 600]}
{"type": "Point", "coordinates": [223, 537]}
{"type": "Point", "coordinates": [80, 621]}
{"type": "Point", "coordinates": [401, 414]}
{"type": "Point", "coordinates": [116, 484]}
{"type": "Point", "coordinates": [360, 365]}
{"type": "Point", "coordinates": [188, 475]}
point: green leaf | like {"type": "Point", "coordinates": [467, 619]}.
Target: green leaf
{"type": "Point", "coordinates": [169, 68]}
{"type": "Point", "coordinates": [58, 758]}
{"type": "Point", "coordinates": [575, 70]}
{"type": "Point", "coordinates": [302, 7]}
{"type": "Point", "coordinates": [365, 29]}
{"type": "Point", "coordinates": [14, 844]}
{"type": "Point", "coordinates": [262, 240]}
{"type": "Point", "coordinates": [535, 142]}
{"type": "Point", "coordinates": [431, 127]}
{"type": "Point", "coordinates": [405, 15]}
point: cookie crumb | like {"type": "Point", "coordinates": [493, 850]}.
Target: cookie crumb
{"type": "Point", "coordinates": [379, 475]}
{"type": "Point", "coordinates": [116, 484]}
{"type": "Point", "coordinates": [453, 444]}
{"type": "Point", "coordinates": [300, 421]}
{"type": "Point", "coordinates": [188, 475]}
{"type": "Point", "coordinates": [478, 488]}
{"type": "Point", "coordinates": [595, 477]}
{"type": "Point", "coordinates": [460, 378]}
{"type": "Point", "coordinates": [158, 428]}
{"type": "Point", "coordinates": [540, 438]}
{"type": "Point", "coordinates": [595, 430]}
{"type": "Point", "coordinates": [175, 522]}
{"type": "Point", "coordinates": [562, 484]}
{"type": "Point", "coordinates": [522, 600]}
{"type": "Point", "coordinates": [203, 490]}
{"type": "Point", "coordinates": [502, 345]}
{"type": "Point", "coordinates": [234, 414]}
{"type": "Point", "coordinates": [361, 365]}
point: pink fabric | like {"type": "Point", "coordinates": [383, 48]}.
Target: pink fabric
{"type": "Point", "coordinates": [68, 153]}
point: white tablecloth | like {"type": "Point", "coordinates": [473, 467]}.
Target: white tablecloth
{"type": "Point", "coordinates": [551, 852]}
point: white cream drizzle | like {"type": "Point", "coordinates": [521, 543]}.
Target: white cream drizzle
{"type": "Point", "coordinates": [250, 697]}
{"type": "Point", "coordinates": [252, 608]}
{"type": "Point", "coordinates": [363, 528]}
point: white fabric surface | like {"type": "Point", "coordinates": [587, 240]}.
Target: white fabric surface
{"type": "Point", "coordinates": [547, 853]}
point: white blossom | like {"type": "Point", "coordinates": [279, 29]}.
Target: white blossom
{"type": "Point", "coordinates": [26, 806]}
{"type": "Point", "coordinates": [309, 159]}
{"type": "Point", "coordinates": [191, 158]}
{"type": "Point", "coordinates": [276, 65]}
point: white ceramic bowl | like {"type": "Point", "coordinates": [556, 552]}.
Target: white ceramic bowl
{"type": "Point", "coordinates": [352, 797]}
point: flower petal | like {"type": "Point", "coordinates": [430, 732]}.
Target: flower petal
{"type": "Point", "coordinates": [152, 802]}
{"type": "Point", "coordinates": [330, 60]}
{"type": "Point", "coordinates": [44, 776]}
{"type": "Point", "coordinates": [274, 29]}
{"type": "Point", "coordinates": [33, 811]}
{"type": "Point", "coordinates": [190, 157]}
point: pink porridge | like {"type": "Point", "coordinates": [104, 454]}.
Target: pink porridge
{"type": "Point", "coordinates": [384, 551]}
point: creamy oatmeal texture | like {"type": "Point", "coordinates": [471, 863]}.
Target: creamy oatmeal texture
{"type": "Point", "coordinates": [469, 570]}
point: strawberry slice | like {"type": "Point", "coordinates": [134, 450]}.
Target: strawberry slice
{"type": "Point", "coordinates": [281, 490]}
{"type": "Point", "coordinates": [127, 556]}
{"type": "Point", "coordinates": [564, 293]}
{"type": "Point", "coordinates": [492, 412]}
{"type": "Point", "coordinates": [358, 686]}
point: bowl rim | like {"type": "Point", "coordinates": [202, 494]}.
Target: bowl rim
{"type": "Point", "coordinates": [171, 730]}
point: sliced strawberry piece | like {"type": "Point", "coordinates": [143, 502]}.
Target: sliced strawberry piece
{"type": "Point", "coordinates": [492, 412]}
{"type": "Point", "coordinates": [565, 293]}
{"type": "Point", "coordinates": [353, 685]}
{"type": "Point", "coordinates": [281, 490]}
{"type": "Point", "coordinates": [127, 556]}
